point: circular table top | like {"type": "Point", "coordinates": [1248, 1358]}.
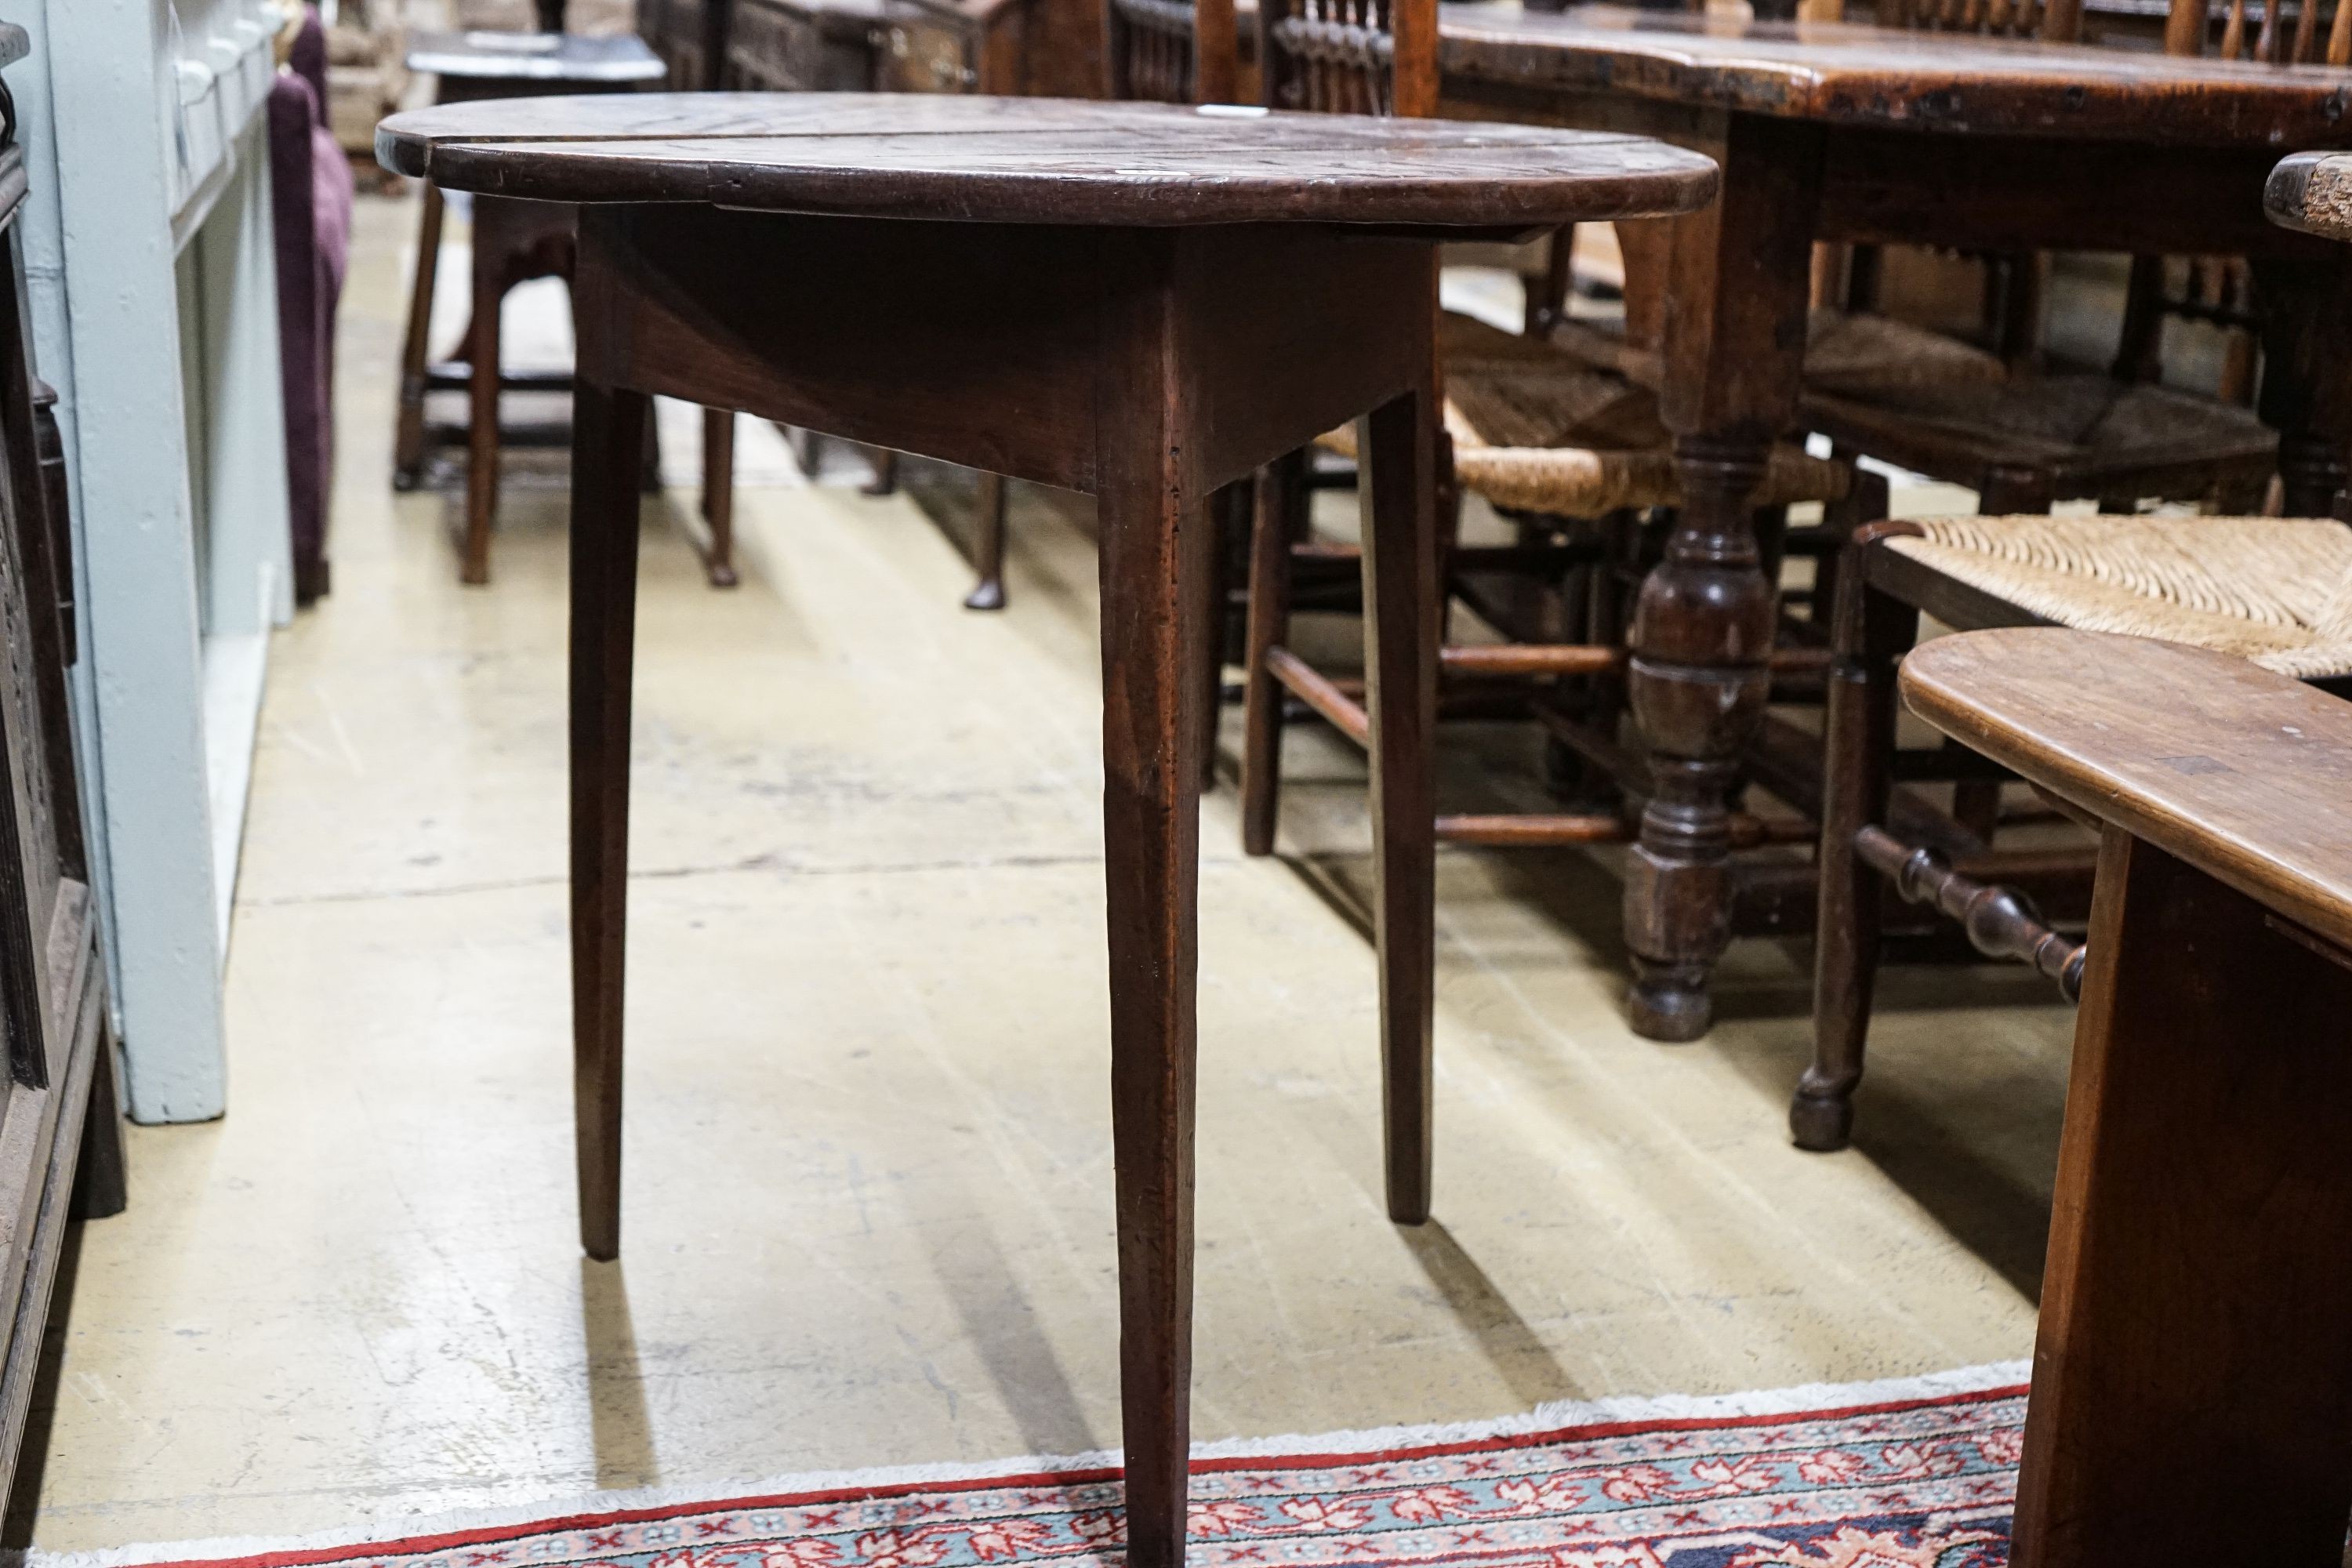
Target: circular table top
{"type": "Point", "coordinates": [1044, 161]}
{"type": "Point", "coordinates": [535, 57]}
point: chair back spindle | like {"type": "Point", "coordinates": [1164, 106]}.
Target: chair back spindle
{"type": "Point", "coordinates": [1172, 51]}
{"type": "Point", "coordinates": [1351, 57]}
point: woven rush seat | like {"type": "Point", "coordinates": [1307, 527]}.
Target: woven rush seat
{"type": "Point", "coordinates": [2094, 436]}
{"type": "Point", "coordinates": [2275, 591]}
{"type": "Point", "coordinates": [1536, 429]}
{"type": "Point", "coordinates": [1852, 353]}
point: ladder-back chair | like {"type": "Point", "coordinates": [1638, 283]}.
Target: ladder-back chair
{"type": "Point", "coordinates": [2119, 438]}
{"type": "Point", "coordinates": [2275, 591]}
{"type": "Point", "coordinates": [1172, 51]}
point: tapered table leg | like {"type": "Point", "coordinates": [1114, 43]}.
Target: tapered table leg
{"type": "Point", "coordinates": [607, 434]}
{"type": "Point", "coordinates": [2192, 1380]}
{"type": "Point", "coordinates": [1401, 633]}
{"type": "Point", "coordinates": [1153, 556]}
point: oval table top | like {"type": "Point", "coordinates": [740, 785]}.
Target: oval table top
{"type": "Point", "coordinates": [1042, 160]}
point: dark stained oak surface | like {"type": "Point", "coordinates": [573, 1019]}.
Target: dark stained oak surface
{"type": "Point", "coordinates": [2312, 192]}
{"type": "Point", "coordinates": [1840, 73]}
{"type": "Point", "coordinates": [2244, 773]}
{"type": "Point", "coordinates": [535, 56]}
{"type": "Point", "coordinates": [1006, 160]}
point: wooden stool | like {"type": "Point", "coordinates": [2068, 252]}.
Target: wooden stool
{"type": "Point", "coordinates": [513, 242]}
{"type": "Point", "coordinates": [2192, 1380]}
{"type": "Point", "coordinates": [1135, 299]}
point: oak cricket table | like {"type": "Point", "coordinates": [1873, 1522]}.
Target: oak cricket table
{"type": "Point", "coordinates": [1142, 301]}
{"type": "Point", "coordinates": [1843, 133]}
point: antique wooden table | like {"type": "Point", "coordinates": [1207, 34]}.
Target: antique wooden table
{"type": "Point", "coordinates": [510, 240]}
{"type": "Point", "coordinates": [2192, 1378]}
{"type": "Point", "coordinates": [1135, 299]}
{"type": "Point", "coordinates": [1829, 132]}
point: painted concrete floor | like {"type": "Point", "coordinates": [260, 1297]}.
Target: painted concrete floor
{"type": "Point", "coordinates": [868, 1206]}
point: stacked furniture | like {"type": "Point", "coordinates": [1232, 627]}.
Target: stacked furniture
{"type": "Point", "coordinates": [2276, 592]}
{"type": "Point", "coordinates": [513, 242]}
{"type": "Point", "coordinates": [60, 1132]}
{"type": "Point", "coordinates": [1865, 136]}
{"type": "Point", "coordinates": [1578, 457]}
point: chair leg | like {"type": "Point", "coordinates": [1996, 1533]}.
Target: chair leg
{"type": "Point", "coordinates": [987, 539]}
{"type": "Point", "coordinates": [885, 472]}
{"type": "Point", "coordinates": [1397, 493]}
{"type": "Point", "coordinates": [1976, 806]}
{"type": "Point", "coordinates": [607, 433]}
{"type": "Point", "coordinates": [482, 412]}
{"type": "Point", "coordinates": [1873, 631]}
{"type": "Point", "coordinates": [2015, 492]}
{"type": "Point", "coordinates": [408, 431]}
{"type": "Point", "coordinates": [1280, 485]}
{"type": "Point", "coordinates": [718, 494]}
{"type": "Point", "coordinates": [1225, 509]}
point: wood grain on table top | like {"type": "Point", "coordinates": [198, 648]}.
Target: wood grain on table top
{"type": "Point", "coordinates": [1903, 78]}
{"type": "Point", "coordinates": [535, 56]}
{"type": "Point", "coordinates": [2244, 774]}
{"type": "Point", "coordinates": [1011, 160]}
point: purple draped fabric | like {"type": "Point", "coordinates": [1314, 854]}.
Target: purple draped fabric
{"type": "Point", "coordinates": [311, 201]}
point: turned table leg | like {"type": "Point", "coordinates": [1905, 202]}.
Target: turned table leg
{"type": "Point", "coordinates": [2192, 1379]}
{"type": "Point", "coordinates": [1154, 555]}
{"type": "Point", "coordinates": [1703, 627]}
{"type": "Point", "coordinates": [607, 434]}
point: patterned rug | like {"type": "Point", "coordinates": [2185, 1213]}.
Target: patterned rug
{"type": "Point", "coordinates": [1913, 1474]}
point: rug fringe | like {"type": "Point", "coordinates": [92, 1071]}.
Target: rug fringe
{"type": "Point", "coordinates": [373, 1537]}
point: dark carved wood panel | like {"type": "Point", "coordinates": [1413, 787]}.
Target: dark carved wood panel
{"type": "Point", "coordinates": [57, 1098]}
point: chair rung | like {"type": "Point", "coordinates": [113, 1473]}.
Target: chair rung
{"type": "Point", "coordinates": [1312, 687]}
{"type": "Point", "coordinates": [1532, 831]}
{"type": "Point", "coordinates": [1530, 658]}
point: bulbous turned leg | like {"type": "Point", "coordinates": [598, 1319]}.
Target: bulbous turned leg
{"type": "Point", "coordinates": [1698, 684]}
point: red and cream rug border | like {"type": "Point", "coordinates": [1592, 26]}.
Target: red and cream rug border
{"type": "Point", "coordinates": [1563, 1422]}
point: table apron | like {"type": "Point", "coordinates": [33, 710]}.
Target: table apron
{"type": "Point", "coordinates": [1970, 189]}
{"type": "Point", "coordinates": [985, 344]}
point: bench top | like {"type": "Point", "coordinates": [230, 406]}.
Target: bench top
{"type": "Point", "coordinates": [2244, 773]}
{"type": "Point", "coordinates": [1040, 160]}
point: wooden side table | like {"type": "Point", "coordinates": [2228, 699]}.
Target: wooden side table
{"type": "Point", "coordinates": [2192, 1379]}
{"type": "Point", "coordinates": [513, 241]}
{"type": "Point", "coordinates": [1135, 299]}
